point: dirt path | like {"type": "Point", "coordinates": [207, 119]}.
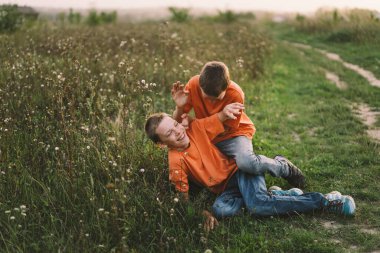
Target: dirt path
{"type": "Point", "coordinates": [336, 80]}
{"type": "Point", "coordinates": [372, 80]}
{"type": "Point", "coordinates": [367, 115]}
{"type": "Point", "coordinates": [368, 118]}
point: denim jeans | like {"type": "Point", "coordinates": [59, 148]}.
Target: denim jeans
{"type": "Point", "coordinates": [240, 148]}
{"type": "Point", "coordinates": [250, 191]}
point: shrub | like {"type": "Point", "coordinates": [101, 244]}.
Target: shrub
{"type": "Point", "coordinates": [74, 17]}
{"type": "Point", "coordinates": [10, 18]}
{"type": "Point", "coordinates": [226, 16]}
{"type": "Point", "coordinates": [179, 15]}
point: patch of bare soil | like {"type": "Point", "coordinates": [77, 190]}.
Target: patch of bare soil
{"type": "Point", "coordinates": [370, 231]}
{"type": "Point", "coordinates": [336, 80]}
{"type": "Point", "coordinates": [368, 117]}
{"type": "Point", "coordinates": [330, 224]}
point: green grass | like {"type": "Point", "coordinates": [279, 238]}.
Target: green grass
{"type": "Point", "coordinates": [106, 186]}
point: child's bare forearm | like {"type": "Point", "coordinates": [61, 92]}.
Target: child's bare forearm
{"type": "Point", "coordinates": [178, 113]}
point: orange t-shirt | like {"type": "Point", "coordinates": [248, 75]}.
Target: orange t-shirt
{"type": "Point", "coordinates": [201, 162]}
{"type": "Point", "coordinates": [204, 107]}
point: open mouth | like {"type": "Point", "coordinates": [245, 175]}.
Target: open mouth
{"type": "Point", "coordinates": [182, 137]}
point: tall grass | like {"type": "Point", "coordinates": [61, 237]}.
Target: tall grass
{"type": "Point", "coordinates": [355, 25]}
{"type": "Point", "coordinates": [76, 171]}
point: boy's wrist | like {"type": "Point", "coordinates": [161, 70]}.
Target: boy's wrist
{"type": "Point", "coordinates": [221, 116]}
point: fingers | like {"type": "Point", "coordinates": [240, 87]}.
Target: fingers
{"type": "Point", "coordinates": [230, 115]}
{"type": "Point", "coordinates": [233, 109]}
{"type": "Point", "coordinates": [183, 115]}
{"type": "Point", "coordinates": [210, 224]}
{"type": "Point", "coordinates": [238, 106]}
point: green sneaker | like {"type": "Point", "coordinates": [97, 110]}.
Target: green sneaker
{"type": "Point", "coordinates": [335, 202]}
{"type": "Point", "coordinates": [275, 190]}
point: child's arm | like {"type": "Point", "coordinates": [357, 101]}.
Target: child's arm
{"type": "Point", "coordinates": [180, 97]}
{"type": "Point", "coordinates": [230, 111]}
{"type": "Point", "coordinates": [213, 126]}
{"type": "Point", "coordinates": [186, 120]}
{"type": "Point", "coordinates": [178, 176]}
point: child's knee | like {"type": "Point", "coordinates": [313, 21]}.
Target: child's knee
{"type": "Point", "coordinates": [248, 164]}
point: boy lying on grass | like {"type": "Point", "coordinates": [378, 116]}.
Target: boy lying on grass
{"type": "Point", "coordinates": [192, 156]}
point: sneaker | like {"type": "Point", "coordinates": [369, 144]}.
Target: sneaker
{"type": "Point", "coordinates": [275, 190]}
{"type": "Point", "coordinates": [337, 203]}
{"type": "Point", "coordinates": [295, 178]}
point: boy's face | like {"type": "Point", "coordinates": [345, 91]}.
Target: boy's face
{"type": "Point", "coordinates": [220, 97]}
{"type": "Point", "coordinates": [172, 134]}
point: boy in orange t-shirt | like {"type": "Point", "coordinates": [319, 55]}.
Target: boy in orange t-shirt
{"type": "Point", "coordinates": [207, 94]}
{"type": "Point", "coordinates": [193, 157]}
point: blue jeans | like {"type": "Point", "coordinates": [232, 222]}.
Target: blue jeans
{"type": "Point", "coordinates": [240, 148]}
{"type": "Point", "coordinates": [250, 191]}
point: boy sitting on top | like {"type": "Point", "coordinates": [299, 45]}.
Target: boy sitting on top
{"type": "Point", "coordinates": [192, 156]}
{"type": "Point", "coordinates": [208, 93]}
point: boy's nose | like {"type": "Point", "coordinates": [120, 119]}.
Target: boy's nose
{"type": "Point", "coordinates": [177, 131]}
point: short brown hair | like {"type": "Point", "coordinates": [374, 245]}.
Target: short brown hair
{"type": "Point", "coordinates": [151, 125]}
{"type": "Point", "coordinates": [214, 78]}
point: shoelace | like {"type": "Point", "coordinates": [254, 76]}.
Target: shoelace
{"type": "Point", "coordinates": [335, 206]}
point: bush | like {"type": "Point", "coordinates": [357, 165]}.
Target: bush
{"type": "Point", "coordinates": [95, 19]}
{"type": "Point", "coordinates": [226, 16]}
{"type": "Point", "coordinates": [10, 18]}
{"type": "Point", "coordinates": [74, 17]}
{"type": "Point", "coordinates": [179, 15]}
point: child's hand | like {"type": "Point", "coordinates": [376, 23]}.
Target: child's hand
{"type": "Point", "coordinates": [210, 221]}
{"type": "Point", "coordinates": [185, 120]}
{"type": "Point", "coordinates": [229, 111]}
{"type": "Point", "coordinates": [179, 94]}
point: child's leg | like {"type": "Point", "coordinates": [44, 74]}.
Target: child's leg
{"type": "Point", "coordinates": [240, 148]}
{"type": "Point", "coordinates": [230, 201]}
{"type": "Point", "coordinates": [259, 202]}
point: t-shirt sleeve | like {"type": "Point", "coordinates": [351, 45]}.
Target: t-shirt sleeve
{"type": "Point", "coordinates": [234, 123]}
{"type": "Point", "coordinates": [210, 125]}
{"type": "Point", "coordinates": [178, 175]}
{"type": "Point", "coordinates": [189, 103]}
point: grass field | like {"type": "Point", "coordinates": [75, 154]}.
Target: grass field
{"type": "Point", "coordinates": [78, 174]}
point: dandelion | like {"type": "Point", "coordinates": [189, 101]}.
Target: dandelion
{"type": "Point", "coordinates": [88, 147]}
{"type": "Point", "coordinates": [12, 217]}
{"type": "Point", "coordinates": [23, 214]}
{"type": "Point", "coordinates": [122, 43]}
{"type": "Point", "coordinates": [121, 64]}
{"type": "Point", "coordinates": [208, 251]}
{"type": "Point", "coordinates": [142, 170]}
{"type": "Point", "coordinates": [111, 138]}
{"type": "Point", "coordinates": [101, 210]}
{"type": "Point", "coordinates": [87, 235]}
{"type": "Point", "coordinates": [56, 148]}
{"type": "Point", "coordinates": [16, 209]}
{"type": "Point", "coordinates": [7, 211]}
{"type": "Point", "coordinates": [176, 200]}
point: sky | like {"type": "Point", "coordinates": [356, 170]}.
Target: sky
{"type": "Point", "coordinates": [240, 5]}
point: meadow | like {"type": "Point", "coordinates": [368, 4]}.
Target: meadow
{"type": "Point", "coordinates": [77, 173]}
